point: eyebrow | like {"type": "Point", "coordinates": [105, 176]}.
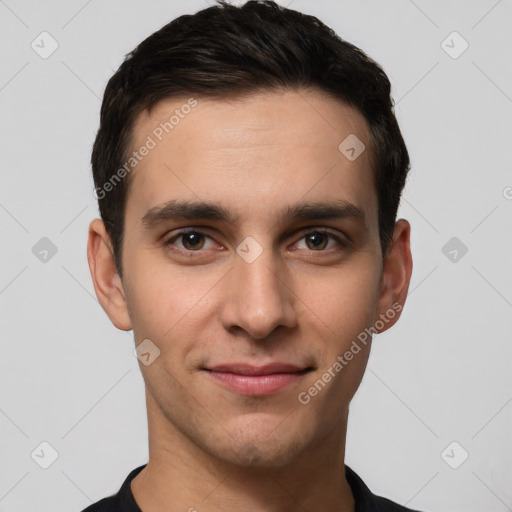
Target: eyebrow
{"type": "Point", "coordinates": [201, 210]}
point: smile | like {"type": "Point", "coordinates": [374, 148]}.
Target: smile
{"type": "Point", "coordinates": [257, 381]}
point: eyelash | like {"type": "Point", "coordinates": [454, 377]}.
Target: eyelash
{"type": "Point", "coordinates": [169, 242]}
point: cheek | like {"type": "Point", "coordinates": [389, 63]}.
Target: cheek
{"type": "Point", "coordinates": [338, 317]}
{"type": "Point", "coordinates": [346, 300]}
{"type": "Point", "coordinates": [165, 302]}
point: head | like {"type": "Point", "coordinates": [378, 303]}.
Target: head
{"type": "Point", "coordinates": [234, 124]}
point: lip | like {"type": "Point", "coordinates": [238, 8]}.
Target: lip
{"type": "Point", "coordinates": [252, 380]}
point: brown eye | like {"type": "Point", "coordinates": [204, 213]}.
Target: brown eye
{"type": "Point", "coordinates": [189, 241]}
{"type": "Point", "coordinates": [320, 241]}
{"type": "Point", "coordinates": [192, 241]}
{"type": "Point", "coordinates": [316, 241]}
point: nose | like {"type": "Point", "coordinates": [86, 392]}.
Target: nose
{"type": "Point", "coordinates": [258, 297]}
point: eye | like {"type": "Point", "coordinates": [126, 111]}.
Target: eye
{"type": "Point", "coordinates": [190, 241]}
{"type": "Point", "coordinates": [319, 240]}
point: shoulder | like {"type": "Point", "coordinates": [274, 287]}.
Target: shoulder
{"type": "Point", "coordinates": [104, 505]}
{"type": "Point", "coordinates": [123, 501]}
{"type": "Point", "coordinates": [386, 505]}
{"type": "Point", "coordinates": [366, 501]}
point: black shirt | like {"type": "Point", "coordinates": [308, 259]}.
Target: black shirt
{"type": "Point", "coordinates": [364, 499]}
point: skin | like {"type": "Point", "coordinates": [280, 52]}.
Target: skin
{"type": "Point", "coordinates": [211, 448]}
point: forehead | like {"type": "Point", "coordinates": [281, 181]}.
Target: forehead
{"type": "Point", "coordinates": [258, 149]}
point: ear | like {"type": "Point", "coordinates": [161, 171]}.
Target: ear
{"type": "Point", "coordinates": [396, 276]}
{"type": "Point", "coordinates": [107, 283]}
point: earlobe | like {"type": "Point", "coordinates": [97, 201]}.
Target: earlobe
{"type": "Point", "coordinates": [107, 283]}
{"type": "Point", "coordinates": [396, 275]}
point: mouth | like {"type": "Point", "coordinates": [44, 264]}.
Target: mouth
{"type": "Point", "coordinates": [251, 380]}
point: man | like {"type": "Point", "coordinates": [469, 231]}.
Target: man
{"type": "Point", "coordinates": [248, 169]}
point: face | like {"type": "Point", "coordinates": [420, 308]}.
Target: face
{"type": "Point", "coordinates": [252, 261]}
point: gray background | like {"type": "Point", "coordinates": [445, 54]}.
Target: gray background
{"type": "Point", "coordinates": [441, 375]}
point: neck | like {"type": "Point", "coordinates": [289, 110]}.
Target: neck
{"type": "Point", "coordinates": [180, 476]}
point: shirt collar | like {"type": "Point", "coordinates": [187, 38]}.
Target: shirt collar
{"type": "Point", "coordinates": [365, 500]}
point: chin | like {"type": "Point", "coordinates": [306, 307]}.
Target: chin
{"type": "Point", "coordinates": [262, 451]}
{"type": "Point", "coordinates": [253, 456]}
